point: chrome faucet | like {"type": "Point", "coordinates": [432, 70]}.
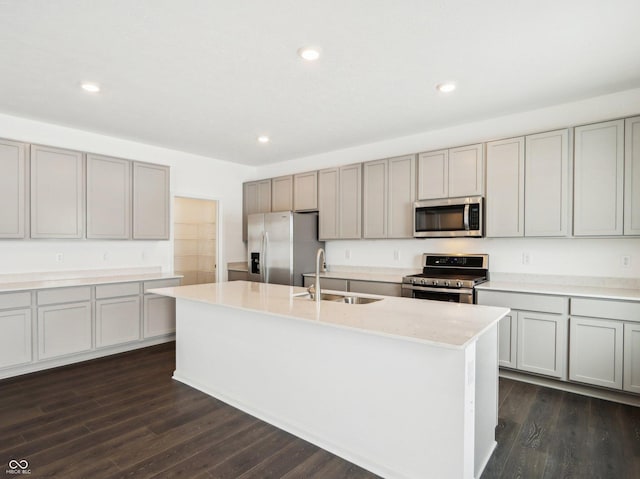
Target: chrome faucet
{"type": "Point", "coordinates": [319, 254]}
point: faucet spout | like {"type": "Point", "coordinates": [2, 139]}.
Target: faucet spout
{"type": "Point", "coordinates": [319, 254]}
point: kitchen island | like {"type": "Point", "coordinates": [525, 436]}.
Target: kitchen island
{"type": "Point", "coordinates": [405, 388]}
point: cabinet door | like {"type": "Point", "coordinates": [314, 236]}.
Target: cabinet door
{"type": "Point", "coordinates": [595, 356]}
{"type": "Point", "coordinates": [328, 204]}
{"type": "Point", "coordinates": [57, 193]}
{"type": "Point", "coordinates": [505, 188]}
{"type": "Point", "coordinates": [256, 198]}
{"type": "Point", "coordinates": [374, 207]}
{"type": "Point", "coordinates": [150, 201]}
{"type": "Point", "coordinates": [15, 337]}
{"type": "Point", "coordinates": [466, 171]}
{"type": "Point", "coordinates": [632, 177]}
{"type": "Point", "coordinates": [305, 191]}
{"type": "Point", "coordinates": [108, 197]}
{"type": "Point", "coordinates": [159, 315]}
{"type": "Point", "coordinates": [546, 184]}
{"type": "Point", "coordinates": [282, 193]}
{"type": "Point", "coordinates": [13, 165]}
{"type": "Point", "coordinates": [350, 203]}
{"type": "Point", "coordinates": [402, 194]}
{"type": "Point", "coordinates": [64, 329]}
{"type": "Point", "coordinates": [598, 179]}
{"type": "Point", "coordinates": [631, 381]}
{"type": "Point", "coordinates": [433, 175]}
{"type": "Point", "coordinates": [542, 343]}
{"type": "Point", "coordinates": [117, 320]}
{"type": "Point", "coordinates": [507, 340]}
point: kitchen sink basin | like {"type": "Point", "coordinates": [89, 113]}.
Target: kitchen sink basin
{"type": "Point", "coordinates": [340, 298]}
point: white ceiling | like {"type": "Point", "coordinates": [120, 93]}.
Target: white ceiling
{"type": "Point", "coordinates": [209, 76]}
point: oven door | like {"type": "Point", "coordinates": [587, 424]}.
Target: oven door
{"type": "Point", "coordinates": [452, 295]}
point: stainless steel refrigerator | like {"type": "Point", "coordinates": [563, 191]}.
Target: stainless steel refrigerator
{"type": "Point", "coordinates": [282, 246]}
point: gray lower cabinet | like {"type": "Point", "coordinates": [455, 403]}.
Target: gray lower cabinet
{"type": "Point", "coordinates": [64, 329]}
{"type": "Point", "coordinates": [233, 275]}
{"type": "Point", "coordinates": [375, 287]}
{"type": "Point", "coordinates": [159, 312]}
{"type": "Point", "coordinates": [595, 356]}
{"type": "Point", "coordinates": [537, 330]}
{"type": "Point", "coordinates": [117, 313]}
{"type": "Point", "coordinates": [15, 340]}
{"type": "Point", "coordinates": [327, 283]}
{"type": "Point", "coordinates": [631, 380]}
{"type": "Point", "coordinates": [150, 201]}
{"type": "Point", "coordinates": [13, 187]}
{"type": "Point", "coordinates": [57, 193]}
{"type": "Point", "coordinates": [108, 197]}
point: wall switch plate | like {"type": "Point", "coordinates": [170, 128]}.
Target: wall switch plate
{"type": "Point", "coordinates": [625, 261]}
{"type": "Point", "coordinates": [59, 257]}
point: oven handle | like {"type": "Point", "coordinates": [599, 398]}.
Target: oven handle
{"type": "Point", "coordinates": [439, 290]}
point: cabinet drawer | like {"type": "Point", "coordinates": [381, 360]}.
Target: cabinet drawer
{"type": "Point", "coordinates": [524, 301]}
{"type": "Point", "coordinates": [64, 295]}
{"type": "Point", "coordinates": [116, 290]}
{"type": "Point", "coordinates": [604, 308]}
{"type": "Point", "coordinates": [15, 300]}
{"type": "Point", "coordinates": [161, 283]}
{"type": "Point", "coordinates": [374, 287]}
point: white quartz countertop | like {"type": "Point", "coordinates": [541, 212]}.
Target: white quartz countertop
{"type": "Point", "coordinates": [585, 291]}
{"type": "Point", "coordinates": [451, 325]}
{"type": "Point", "coordinates": [6, 287]}
{"type": "Point", "coordinates": [384, 276]}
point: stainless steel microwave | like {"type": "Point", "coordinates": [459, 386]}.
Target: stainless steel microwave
{"type": "Point", "coordinates": [449, 217]}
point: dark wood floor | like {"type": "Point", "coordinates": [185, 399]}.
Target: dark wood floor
{"type": "Point", "coordinates": [124, 416]}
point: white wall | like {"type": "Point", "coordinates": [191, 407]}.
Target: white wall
{"type": "Point", "coordinates": [191, 175]}
{"type": "Point", "coordinates": [593, 257]}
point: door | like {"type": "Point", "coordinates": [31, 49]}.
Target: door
{"type": "Point", "coordinates": [278, 240]}
{"type": "Point", "coordinates": [255, 246]}
{"type": "Point", "coordinates": [195, 240]}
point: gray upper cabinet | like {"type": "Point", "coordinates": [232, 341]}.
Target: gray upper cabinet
{"type": "Point", "coordinates": [108, 197]}
{"type": "Point", "coordinates": [282, 193]}
{"type": "Point", "coordinates": [389, 190]}
{"type": "Point", "coordinates": [57, 193]}
{"type": "Point", "coordinates": [505, 188]}
{"type": "Point", "coordinates": [340, 202]}
{"type": "Point", "coordinates": [632, 177]}
{"type": "Point", "coordinates": [305, 191]}
{"type": "Point", "coordinates": [451, 173]}
{"type": "Point", "coordinates": [13, 184]}
{"type": "Point", "coordinates": [256, 198]}
{"type": "Point", "coordinates": [547, 184]}
{"type": "Point", "coordinates": [150, 201]}
{"type": "Point", "coordinates": [598, 179]}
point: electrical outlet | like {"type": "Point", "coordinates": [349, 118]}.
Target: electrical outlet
{"type": "Point", "coordinates": [396, 254]}
{"type": "Point", "coordinates": [625, 261]}
{"type": "Point", "coordinates": [526, 258]}
{"type": "Point", "coordinates": [347, 254]}
{"type": "Point", "coordinates": [105, 256]}
{"type": "Point", "coordinates": [59, 257]}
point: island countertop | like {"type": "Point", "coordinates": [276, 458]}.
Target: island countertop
{"type": "Point", "coordinates": [449, 325]}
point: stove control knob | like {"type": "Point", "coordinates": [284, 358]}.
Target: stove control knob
{"type": "Point", "coordinates": [459, 284]}
{"type": "Point", "coordinates": [447, 283]}
{"type": "Point", "coordinates": [422, 281]}
{"type": "Point", "coordinates": [435, 282]}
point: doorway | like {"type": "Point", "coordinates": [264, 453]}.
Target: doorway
{"type": "Point", "coordinates": [195, 223]}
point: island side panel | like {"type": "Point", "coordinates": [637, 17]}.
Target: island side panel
{"type": "Point", "coordinates": [397, 407]}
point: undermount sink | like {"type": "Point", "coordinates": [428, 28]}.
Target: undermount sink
{"type": "Point", "coordinates": [340, 298]}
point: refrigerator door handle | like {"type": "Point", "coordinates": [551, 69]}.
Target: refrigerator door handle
{"type": "Point", "coordinates": [265, 263]}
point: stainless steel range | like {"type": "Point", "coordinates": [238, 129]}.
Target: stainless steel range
{"type": "Point", "coordinates": [450, 277]}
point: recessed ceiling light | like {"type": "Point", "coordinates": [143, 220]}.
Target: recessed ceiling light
{"type": "Point", "coordinates": [447, 87]}
{"type": "Point", "coordinates": [90, 87]}
{"type": "Point", "coordinates": [263, 139]}
{"type": "Point", "coordinates": [309, 53]}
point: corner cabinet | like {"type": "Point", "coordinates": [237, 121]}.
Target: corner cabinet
{"type": "Point", "coordinates": [632, 177]}
{"type": "Point", "coordinates": [340, 202]}
{"type": "Point", "coordinates": [505, 188]}
{"type": "Point", "coordinates": [13, 188]}
{"type": "Point", "coordinates": [598, 179]}
{"type": "Point", "coordinates": [451, 173]}
{"type": "Point", "coordinates": [150, 201]}
{"type": "Point", "coordinates": [57, 193]}
{"type": "Point", "coordinates": [108, 198]}
{"type": "Point", "coordinates": [389, 190]}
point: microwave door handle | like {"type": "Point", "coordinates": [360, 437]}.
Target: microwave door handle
{"type": "Point", "coordinates": [466, 217]}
